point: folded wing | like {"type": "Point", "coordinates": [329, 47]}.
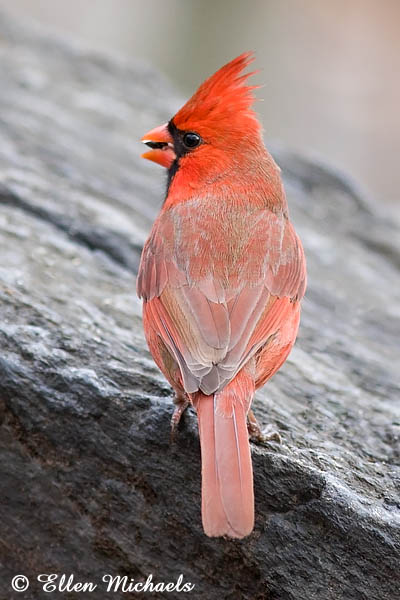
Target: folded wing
{"type": "Point", "coordinates": [216, 285]}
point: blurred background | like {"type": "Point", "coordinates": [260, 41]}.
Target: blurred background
{"type": "Point", "coordinates": [330, 69]}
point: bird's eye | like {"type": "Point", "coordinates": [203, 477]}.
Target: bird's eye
{"type": "Point", "coordinates": [191, 140]}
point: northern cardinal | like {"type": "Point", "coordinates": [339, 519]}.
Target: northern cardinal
{"type": "Point", "coordinates": [221, 277]}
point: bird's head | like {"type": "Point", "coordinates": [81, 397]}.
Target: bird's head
{"type": "Point", "coordinates": [213, 129]}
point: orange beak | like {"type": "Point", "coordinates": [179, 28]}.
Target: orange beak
{"type": "Point", "coordinates": [162, 146]}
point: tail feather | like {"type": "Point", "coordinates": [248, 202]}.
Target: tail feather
{"type": "Point", "coordinates": [227, 475]}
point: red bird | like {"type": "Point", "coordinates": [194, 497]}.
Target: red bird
{"type": "Point", "coordinates": [221, 277]}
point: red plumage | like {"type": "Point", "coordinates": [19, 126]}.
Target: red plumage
{"type": "Point", "coordinates": [221, 277]}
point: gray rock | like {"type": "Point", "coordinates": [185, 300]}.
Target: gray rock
{"type": "Point", "coordinates": [90, 482]}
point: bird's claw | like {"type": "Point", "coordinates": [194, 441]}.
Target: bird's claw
{"type": "Point", "coordinates": [269, 434]}
{"type": "Point", "coordinates": [181, 404]}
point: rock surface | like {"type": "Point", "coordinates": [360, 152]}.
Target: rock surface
{"type": "Point", "coordinates": [90, 483]}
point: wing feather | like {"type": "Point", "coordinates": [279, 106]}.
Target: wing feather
{"type": "Point", "coordinates": [217, 286]}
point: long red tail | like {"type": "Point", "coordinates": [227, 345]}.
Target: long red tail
{"type": "Point", "coordinates": [227, 474]}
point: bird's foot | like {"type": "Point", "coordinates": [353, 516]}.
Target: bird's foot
{"type": "Point", "coordinates": [269, 434]}
{"type": "Point", "coordinates": [181, 403]}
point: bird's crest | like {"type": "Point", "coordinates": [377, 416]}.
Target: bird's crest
{"type": "Point", "coordinates": [222, 97]}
